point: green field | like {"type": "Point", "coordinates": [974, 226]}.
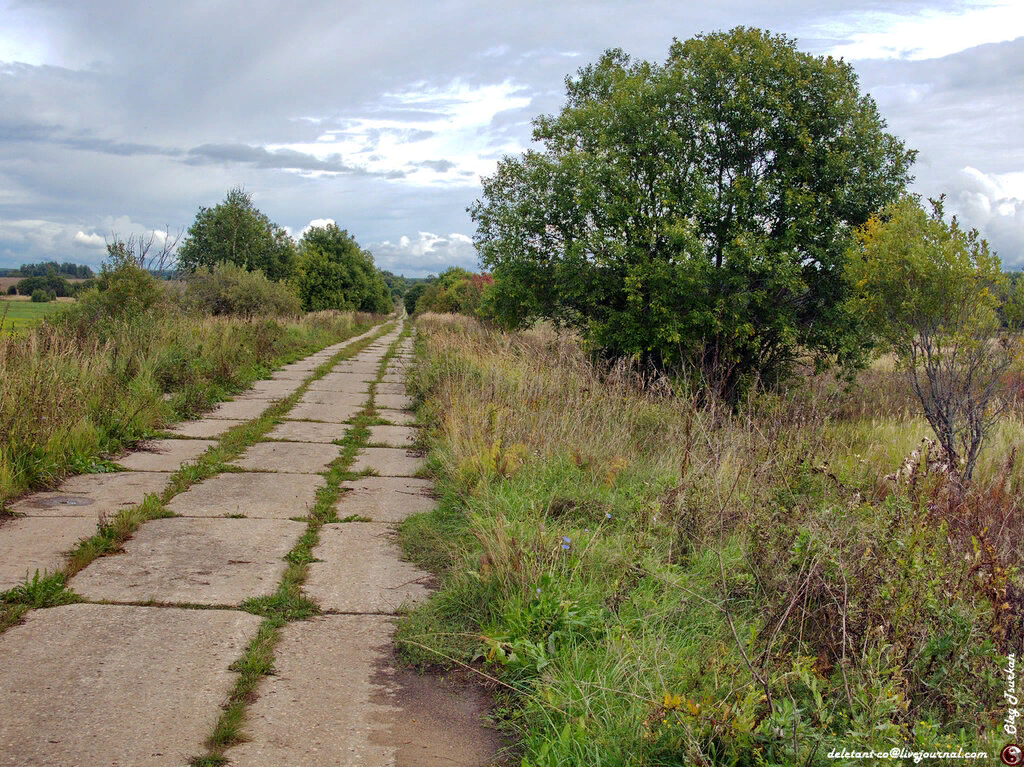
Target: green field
{"type": "Point", "coordinates": [16, 315]}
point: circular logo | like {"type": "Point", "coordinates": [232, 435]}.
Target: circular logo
{"type": "Point", "coordinates": [1011, 754]}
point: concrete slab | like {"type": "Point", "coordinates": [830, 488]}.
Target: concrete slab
{"type": "Point", "coordinates": [326, 413]}
{"type": "Point", "coordinates": [289, 457]}
{"type": "Point", "coordinates": [360, 571]}
{"type": "Point", "coordinates": [322, 706]}
{"type": "Point", "coordinates": [393, 436]}
{"type": "Point", "coordinates": [348, 399]}
{"type": "Point", "coordinates": [352, 366]}
{"type": "Point", "coordinates": [165, 454]}
{"type": "Point", "coordinates": [239, 410]}
{"type": "Point", "coordinates": [256, 495]}
{"type": "Point", "coordinates": [204, 428]}
{"type": "Point", "coordinates": [385, 499]}
{"type": "Point", "coordinates": [348, 382]}
{"type": "Point", "coordinates": [393, 402]}
{"type": "Point", "coordinates": [388, 461]}
{"type": "Point", "coordinates": [116, 685]}
{"type": "Point", "coordinates": [397, 417]}
{"type": "Point", "coordinates": [193, 561]}
{"type": "Point", "coordinates": [38, 543]}
{"type": "Point", "coordinates": [388, 387]}
{"type": "Point", "coordinates": [94, 495]}
{"type": "Point", "coordinates": [307, 431]}
{"type": "Point", "coordinates": [272, 389]}
{"type": "Point", "coordinates": [290, 375]}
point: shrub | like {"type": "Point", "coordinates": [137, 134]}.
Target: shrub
{"type": "Point", "coordinates": [40, 296]}
{"type": "Point", "coordinates": [12, 290]}
{"type": "Point", "coordinates": [229, 289]}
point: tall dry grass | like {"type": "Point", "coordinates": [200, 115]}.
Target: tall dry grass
{"type": "Point", "coordinates": [663, 580]}
{"type": "Point", "coordinates": [72, 392]}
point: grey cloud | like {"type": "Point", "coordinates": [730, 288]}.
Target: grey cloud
{"type": "Point", "coordinates": [184, 98]}
{"type": "Point", "coordinates": [283, 159]}
{"type": "Point", "coordinates": [440, 166]}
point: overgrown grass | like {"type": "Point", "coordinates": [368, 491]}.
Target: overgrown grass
{"type": "Point", "coordinates": [657, 580]}
{"type": "Point", "coordinates": [73, 391]}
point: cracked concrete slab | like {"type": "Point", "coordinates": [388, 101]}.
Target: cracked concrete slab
{"type": "Point", "coordinates": [116, 685]}
{"type": "Point", "coordinates": [28, 544]}
{"type": "Point", "coordinates": [254, 494]}
{"type": "Point", "coordinates": [390, 388]}
{"type": "Point", "coordinates": [193, 561]}
{"type": "Point", "coordinates": [397, 417]}
{"type": "Point", "coordinates": [287, 457]}
{"type": "Point", "coordinates": [204, 428]}
{"type": "Point", "coordinates": [348, 399]}
{"type": "Point", "coordinates": [94, 495]}
{"type": "Point", "coordinates": [270, 390]}
{"type": "Point", "coordinates": [307, 431]}
{"type": "Point", "coordinates": [239, 410]}
{"type": "Point", "coordinates": [326, 413]}
{"type": "Point", "coordinates": [348, 382]}
{"type": "Point", "coordinates": [322, 706]}
{"type": "Point", "coordinates": [385, 499]}
{"type": "Point", "coordinates": [164, 454]}
{"type": "Point", "coordinates": [388, 461]}
{"type": "Point", "coordinates": [363, 368]}
{"type": "Point", "coordinates": [392, 378]}
{"type": "Point", "coordinates": [360, 571]}
{"type": "Point", "coordinates": [393, 436]}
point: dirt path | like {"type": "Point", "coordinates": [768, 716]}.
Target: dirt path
{"type": "Point", "coordinates": [140, 673]}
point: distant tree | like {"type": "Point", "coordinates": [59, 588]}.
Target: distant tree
{"type": "Point", "coordinates": [40, 296]}
{"type": "Point", "coordinates": [335, 273]}
{"type": "Point", "coordinates": [12, 290]}
{"type": "Point", "coordinates": [412, 296]}
{"type": "Point", "coordinates": [929, 292]}
{"type": "Point", "coordinates": [236, 232]}
{"type": "Point", "coordinates": [456, 290]}
{"type": "Point", "coordinates": [50, 282]}
{"type": "Point", "coordinates": [66, 269]}
{"type": "Point", "coordinates": [695, 213]}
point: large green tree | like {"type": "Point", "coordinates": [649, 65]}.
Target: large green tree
{"type": "Point", "coordinates": [695, 213]}
{"type": "Point", "coordinates": [335, 273]}
{"type": "Point", "coordinates": [236, 232]}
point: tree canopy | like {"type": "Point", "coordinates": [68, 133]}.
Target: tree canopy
{"type": "Point", "coordinates": [695, 212]}
{"type": "Point", "coordinates": [335, 273]}
{"type": "Point", "coordinates": [236, 232]}
{"type": "Point", "coordinates": [929, 291]}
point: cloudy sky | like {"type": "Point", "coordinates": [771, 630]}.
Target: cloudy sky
{"type": "Point", "coordinates": [124, 116]}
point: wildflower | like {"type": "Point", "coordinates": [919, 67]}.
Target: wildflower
{"type": "Point", "coordinates": [586, 529]}
{"type": "Point", "coordinates": [566, 539]}
{"type": "Point", "coordinates": [608, 514]}
{"type": "Point", "coordinates": [538, 589]}
{"type": "Point", "coordinates": [565, 546]}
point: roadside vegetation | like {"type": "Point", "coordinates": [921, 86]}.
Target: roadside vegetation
{"type": "Point", "coordinates": [655, 579]}
{"type": "Point", "coordinates": [727, 448]}
{"type": "Point", "coordinates": [135, 354]}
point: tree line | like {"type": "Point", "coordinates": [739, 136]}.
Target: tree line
{"type": "Point", "coordinates": [326, 268]}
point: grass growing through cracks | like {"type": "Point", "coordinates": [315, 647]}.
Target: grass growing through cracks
{"type": "Point", "coordinates": [654, 579]}
{"type": "Point", "coordinates": [287, 603]}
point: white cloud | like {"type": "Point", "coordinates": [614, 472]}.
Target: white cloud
{"type": "Point", "coordinates": [316, 223]}
{"type": "Point", "coordinates": [88, 240]}
{"type": "Point", "coordinates": [444, 140]}
{"type": "Point", "coordinates": [427, 253]}
{"type": "Point", "coordinates": [994, 204]}
{"type": "Point", "coordinates": [927, 34]}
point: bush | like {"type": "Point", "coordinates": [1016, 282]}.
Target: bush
{"type": "Point", "coordinates": [40, 296]}
{"type": "Point", "coordinates": [12, 290]}
{"type": "Point", "coordinates": [231, 290]}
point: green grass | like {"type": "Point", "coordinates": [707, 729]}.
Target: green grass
{"type": "Point", "coordinates": [653, 580]}
{"type": "Point", "coordinates": [21, 315]}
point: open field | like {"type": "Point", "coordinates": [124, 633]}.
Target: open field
{"type": "Point", "coordinates": [18, 312]}
{"type": "Point", "coordinates": [651, 578]}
